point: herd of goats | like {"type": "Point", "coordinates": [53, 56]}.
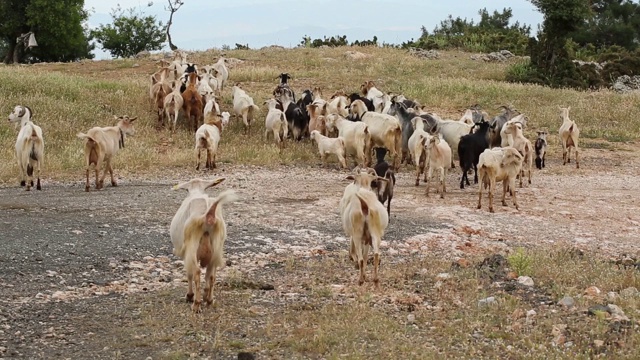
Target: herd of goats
{"type": "Point", "coordinates": [360, 125]}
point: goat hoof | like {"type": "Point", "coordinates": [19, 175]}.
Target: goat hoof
{"type": "Point", "coordinates": [189, 298]}
{"type": "Point", "coordinates": [114, 184]}
{"type": "Point", "coordinates": [491, 211]}
{"type": "Point", "coordinates": [23, 183]}
{"type": "Point", "coordinates": [31, 182]}
{"type": "Point", "coordinates": [209, 302]}
{"type": "Point", "coordinates": [38, 187]}
{"type": "Point", "coordinates": [196, 307]}
{"type": "Point", "coordinates": [86, 189]}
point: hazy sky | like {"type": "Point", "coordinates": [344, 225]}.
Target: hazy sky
{"type": "Point", "coordinates": [203, 24]}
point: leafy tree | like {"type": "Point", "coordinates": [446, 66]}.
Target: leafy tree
{"type": "Point", "coordinates": [549, 53]}
{"type": "Point", "coordinates": [57, 26]}
{"type": "Point", "coordinates": [613, 22]}
{"type": "Point", "coordinates": [493, 32]}
{"type": "Point", "coordinates": [130, 33]}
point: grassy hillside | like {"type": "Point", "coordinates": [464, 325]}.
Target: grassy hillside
{"type": "Point", "coordinates": [67, 98]}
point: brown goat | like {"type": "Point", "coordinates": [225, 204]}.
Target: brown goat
{"type": "Point", "coordinates": [192, 104]}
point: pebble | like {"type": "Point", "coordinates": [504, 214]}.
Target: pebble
{"type": "Point", "coordinates": [629, 292]}
{"type": "Point", "coordinates": [567, 301]}
{"type": "Point", "coordinates": [443, 276]}
{"type": "Point", "coordinates": [592, 291]}
{"type": "Point", "coordinates": [411, 319]}
{"type": "Point", "coordinates": [598, 343]}
{"type": "Point", "coordinates": [525, 280]}
{"type": "Point", "coordinates": [488, 301]}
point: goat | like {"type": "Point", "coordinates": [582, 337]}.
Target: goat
{"type": "Point", "coordinates": [327, 146]}
{"type": "Point", "coordinates": [469, 149]}
{"type": "Point", "coordinates": [192, 102]}
{"type": "Point", "coordinates": [541, 149]}
{"type": "Point", "coordinates": [172, 104]}
{"type": "Point", "coordinates": [198, 232]}
{"type": "Point", "coordinates": [160, 90]}
{"type": "Point", "coordinates": [452, 131]}
{"type": "Point", "coordinates": [316, 120]}
{"type": "Point", "coordinates": [276, 123]}
{"type": "Point", "coordinates": [406, 116]}
{"type": "Point", "coordinates": [368, 103]}
{"type": "Point", "coordinates": [384, 189]}
{"type": "Point", "coordinates": [569, 135]}
{"type": "Point", "coordinates": [338, 104]}
{"type": "Point", "coordinates": [523, 145]}
{"type": "Point", "coordinates": [243, 106]}
{"type": "Point", "coordinates": [372, 93]}
{"type": "Point", "coordinates": [29, 146]}
{"type": "Point", "coordinates": [385, 130]}
{"type": "Point", "coordinates": [495, 139]}
{"type": "Point", "coordinates": [364, 221]}
{"type": "Point", "coordinates": [207, 138]}
{"type": "Point", "coordinates": [439, 158]}
{"type": "Point", "coordinates": [506, 139]}
{"type": "Point", "coordinates": [222, 73]}
{"type": "Point", "coordinates": [356, 136]}
{"type": "Point", "coordinates": [499, 164]}
{"type": "Point", "coordinates": [101, 144]}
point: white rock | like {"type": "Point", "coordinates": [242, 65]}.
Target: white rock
{"type": "Point", "coordinates": [525, 280]}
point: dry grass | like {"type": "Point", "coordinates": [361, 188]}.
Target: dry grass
{"type": "Point", "coordinates": [317, 311]}
{"type": "Point", "coordinates": [68, 98]}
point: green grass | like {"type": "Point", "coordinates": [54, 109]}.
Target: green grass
{"type": "Point", "coordinates": [67, 98]}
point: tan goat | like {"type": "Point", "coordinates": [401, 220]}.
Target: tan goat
{"type": "Point", "coordinates": [569, 135]}
{"type": "Point", "coordinates": [100, 146]}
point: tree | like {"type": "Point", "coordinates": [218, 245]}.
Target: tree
{"type": "Point", "coordinates": [174, 5]}
{"type": "Point", "coordinates": [494, 32]}
{"type": "Point", "coordinates": [130, 33]}
{"type": "Point", "coordinates": [57, 25]}
{"type": "Point", "coordinates": [549, 55]}
{"type": "Point", "coordinates": [614, 22]}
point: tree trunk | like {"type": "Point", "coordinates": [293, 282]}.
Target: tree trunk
{"type": "Point", "coordinates": [8, 59]}
{"type": "Point", "coordinates": [171, 46]}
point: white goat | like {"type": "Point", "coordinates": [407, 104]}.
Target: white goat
{"type": "Point", "coordinates": [222, 73]}
{"type": "Point", "coordinates": [172, 104]}
{"type": "Point", "coordinates": [357, 138]}
{"type": "Point", "coordinates": [29, 146]}
{"type": "Point", "coordinates": [101, 144]}
{"type": "Point", "coordinates": [207, 138]}
{"type": "Point", "coordinates": [385, 130]}
{"type": "Point", "coordinates": [243, 106]}
{"type": "Point", "coordinates": [338, 105]}
{"type": "Point", "coordinates": [522, 144]}
{"type": "Point", "coordinates": [198, 232]}
{"type": "Point", "coordinates": [506, 139]}
{"type": "Point", "coordinates": [438, 158]}
{"type": "Point", "coordinates": [499, 164]}
{"type": "Point", "coordinates": [569, 135]}
{"type": "Point", "coordinates": [328, 145]}
{"type": "Point", "coordinates": [211, 106]}
{"type": "Point", "coordinates": [275, 123]}
{"type": "Point", "coordinates": [452, 131]}
{"type": "Point", "coordinates": [364, 220]}
{"type": "Point", "coordinates": [416, 146]}
{"type": "Point", "coordinates": [372, 93]}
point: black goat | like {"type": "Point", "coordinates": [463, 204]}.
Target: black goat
{"type": "Point", "coordinates": [355, 96]}
{"type": "Point", "coordinates": [469, 149]}
{"type": "Point", "coordinates": [384, 189]}
{"type": "Point", "coordinates": [541, 149]}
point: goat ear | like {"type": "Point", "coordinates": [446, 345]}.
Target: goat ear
{"type": "Point", "coordinates": [215, 182]}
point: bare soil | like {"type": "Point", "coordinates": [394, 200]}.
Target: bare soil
{"type": "Point", "coordinates": [83, 273]}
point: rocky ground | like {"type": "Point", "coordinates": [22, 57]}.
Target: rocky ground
{"type": "Point", "coordinates": [70, 259]}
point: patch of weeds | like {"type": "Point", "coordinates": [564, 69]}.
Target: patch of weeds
{"type": "Point", "coordinates": [520, 262]}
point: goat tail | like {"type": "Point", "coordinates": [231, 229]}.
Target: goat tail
{"type": "Point", "coordinates": [81, 135]}
{"type": "Point", "coordinates": [252, 110]}
{"type": "Point", "coordinates": [227, 196]}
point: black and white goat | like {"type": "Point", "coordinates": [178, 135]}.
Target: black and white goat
{"type": "Point", "coordinates": [541, 148]}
